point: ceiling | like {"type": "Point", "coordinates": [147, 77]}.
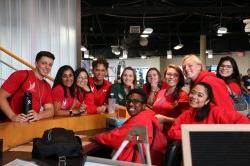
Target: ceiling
{"type": "Point", "coordinates": [107, 22]}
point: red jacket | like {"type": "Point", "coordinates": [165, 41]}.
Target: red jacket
{"type": "Point", "coordinates": [220, 91]}
{"type": "Point", "coordinates": [147, 90]}
{"type": "Point", "coordinates": [217, 115]}
{"type": "Point", "coordinates": [235, 88]}
{"type": "Point", "coordinates": [88, 99]}
{"type": "Point", "coordinates": [101, 95]}
{"type": "Point", "coordinates": [146, 118]}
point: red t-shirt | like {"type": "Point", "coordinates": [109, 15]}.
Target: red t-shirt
{"type": "Point", "coordinates": [100, 95]}
{"type": "Point", "coordinates": [88, 99]}
{"type": "Point", "coordinates": [39, 89]}
{"type": "Point", "coordinates": [166, 106]}
{"type": "Point", "coordinates": [58, 96]}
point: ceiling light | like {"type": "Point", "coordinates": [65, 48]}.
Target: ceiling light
{"type": "Point", "coordinates": [219, 34]}
{"type": "Point", "coordinates": [222, 30]}
{"type": "Point", "coordinates": [143, 56]}
{"type": "Point", "coordinates": [83, 48]}
{"type": "Point", "coordinates": [209, 54]}
{"type": "Point", "coordinates": [179, 46]}
{"type": "Point", "coordinates": [86, 54]}
{"type": "Point", "coordinates": [143, 41]}
{"type": "Point", "coordinates": [115, 50]}
{"type": "Point", "coordinates": [147, 31]}
{"type": "Point", "coordinates": [91, 57]}
{"type": "Point", "coordinates": [169, 54]}
{"type": "Point", "coordinates": [125, 54]}
{"type": "Point", "coordinates": [247, 27]}
{"type": "Point", "coordinates": [144, 35]}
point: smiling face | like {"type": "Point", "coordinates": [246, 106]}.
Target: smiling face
{"type": "Point", "coordinates": [44, 65]}
{"type": "Point", "coordinates": [135, 104]}
{"type": "Point", "coordinates": [153, 76]}
{"type": "Point", "coordinates": [82, 79]}
{"type": "Point", "coordinates": [99, 72]}
{"type": "Point", "coordinates": [128, 77]}
{"type": "Point", "coordinates": [68, 78]}
{"type": "Point", "coordinates": [172, 77]}
{"type": "Point", "coordinates": [226, 69]}
{"type": "Point", "coordinates": [191, 68]}
{"type": "Point", "coordinates": [198, 97]}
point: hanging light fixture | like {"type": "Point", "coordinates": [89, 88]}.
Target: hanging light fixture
{"type": "Point", "coordinates": [86, 54]}
{"type": "Point", "coordinates": [169, 54]}
{"type": "Point", "coordinates": [221, 30]}
{"type": "Point", "coordinates": [180, 45]}
{"type": "Point", "coordinates": [146, 31]}
{"type": "Point", "coordinates": [209, 54]}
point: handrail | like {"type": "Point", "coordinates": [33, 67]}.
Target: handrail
{"type": "Point", "coordinates": [13, 55]}
{"type": "Point", "coordinates": [10, 66]}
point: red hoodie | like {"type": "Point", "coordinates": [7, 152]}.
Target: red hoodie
{"type": "Point", "coordinates": [115, 137]}
{"type": "Point", "coordinates": [219, 87]}
{"type": "Point", "coordinates": [217, 115]}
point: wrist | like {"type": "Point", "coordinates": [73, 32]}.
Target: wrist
{"type": "Point", "coordinates": [70, 112]}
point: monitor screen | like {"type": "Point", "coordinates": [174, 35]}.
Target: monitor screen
{"type": "Point", "coordinates": [216, 145]}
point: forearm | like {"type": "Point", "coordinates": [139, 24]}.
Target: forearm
{"type": "Point", "coordinates": [48, 113]}
{"type": "Point", "coordinates": [165, 119]}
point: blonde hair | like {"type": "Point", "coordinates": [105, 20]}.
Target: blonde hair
{"type": "Point", "coordinates": [193, 58]}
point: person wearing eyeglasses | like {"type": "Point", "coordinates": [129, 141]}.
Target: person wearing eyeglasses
{"type": "Point", "coordinates": [194, 70]}
{"type": "Point", "coordinates": [140, 115]}
{"type": "Point", "coordinates": [227, 70]}
{"type": "Point", "coordinates": [171, 101]}
{"type": "Point", "coordinates": [83, 92]}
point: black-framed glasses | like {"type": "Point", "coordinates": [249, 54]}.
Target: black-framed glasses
{"type": "Point", "coordinates": [226, 66]}
{"type": "Point", "coordinates": [134, 101]}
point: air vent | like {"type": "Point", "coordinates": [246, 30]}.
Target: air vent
{"type": "Point", "coordinates": [134, 29]}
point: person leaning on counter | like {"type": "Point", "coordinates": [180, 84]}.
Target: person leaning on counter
{"type": "Point", "coordinates": [140, 115]}
{"type": "Point", "coordinates": [31, 81]}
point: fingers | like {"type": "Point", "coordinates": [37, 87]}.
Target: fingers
{"type": "Point", "coordinates": [21, 118]}
{"type": "Point", "coordinates": [32, 116]}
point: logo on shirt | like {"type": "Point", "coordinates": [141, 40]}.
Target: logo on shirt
{"type": "Point", "coordinates": [32, 86]}
{"type": "Point", "coordinates": [64, 104]}
{"type": "Point", "coordinates": [120, 96]}
{"type": "Point", "coordinates": [104, 90]}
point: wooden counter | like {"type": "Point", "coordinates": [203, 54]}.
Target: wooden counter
{"type": "Point", "coordinates": [14, 134]}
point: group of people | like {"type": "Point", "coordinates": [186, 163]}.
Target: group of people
{"type": "Point", "coordinates": [162, 105]}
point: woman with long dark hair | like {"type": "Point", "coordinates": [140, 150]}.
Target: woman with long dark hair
{"type": "Point", "coordinates": [204, 111]}
{"type": "Point", "coordinates": [227, 70]}
{"type": "Point", "coordinates": [63, 92]}
{"type": "Point", "coordinates": [83, 92]}
{"type": "Point", "coordinates": [170, 102]}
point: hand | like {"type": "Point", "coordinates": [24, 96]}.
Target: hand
{"type": "Point", "coordinates": [83, 108]}
{"type": "Point", "coordinates": [154, 86]}
{"type": "Point", "coordinates": [32, 116]}
{"type": "Point", "coordinates": [101, 109]}
{"type": "Point", "coordinates": [19, 118]}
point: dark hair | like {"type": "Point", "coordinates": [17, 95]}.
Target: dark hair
{"type": "Point", "coordinates": [148, 86]}
{"type": "Point", "coordinates": [139, 92]}
{"type": "Point", "coordinates": [100, 61]}
{"type": "Point", "coordinates": [134, 74]}
{"type": "Point", "coordinates": [181, 81]}
{"type": "Point", "coordinates": [203, 112]}
{"type": "Point", "coordinates": [58, 80]}
{"type": "Point", "coordinates": [76, 74]}
{"type": "Point", "coordinates": [235, 77]}
{"type": "Point", "coordinates": [48, 54]}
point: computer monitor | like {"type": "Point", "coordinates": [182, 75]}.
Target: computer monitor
{"type": "Point", "coordinates": [216, 145]}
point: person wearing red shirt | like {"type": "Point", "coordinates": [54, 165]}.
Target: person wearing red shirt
{"type": "Point", "coordinates": [194, 70]}
{"type": "Point", "coordinates": [140, 115]}
{"type": "Point", "coordinates": [171, 102]}
{"type": "Point", "coordinates": [99, 86]}
{"type": "Point", "coordinates": [83, 92]}
{"type": "Point", "coordinates": [227, 70]}
{"type": "Point", "coordinates": [29, 81]}
{"type": "Point", "coordinates": [63, 92]}
{"type": "Point", "coordinates": [204, 111]}
{"type": "Point", "coordinates": [153, 84]}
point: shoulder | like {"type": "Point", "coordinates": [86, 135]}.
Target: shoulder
{"type": "Point", "coordinates": [58, 88]}
{"type": "Point", "coordinates": [107, 83]}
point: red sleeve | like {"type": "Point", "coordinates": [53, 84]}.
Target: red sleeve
{"type": "Point", "coordinates": [14, 81]}
{"type": "Point", "coordinates": [174, 132]}
{"type": "Point", "coordinates": [90, 103]}
{"type": "Point", "coordinates": [58, 94]}
{"type": "Point", "coordinates": [229, 117]}
{"type": "Point", "coordinates": [235, 88]}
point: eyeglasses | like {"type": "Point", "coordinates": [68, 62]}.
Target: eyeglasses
{"type": "Point", "coordinates": [134, 101]}
{"type": "Point", "coordinates": [172, 75]}
{"type": "Point", "coordinates": [226, 66]}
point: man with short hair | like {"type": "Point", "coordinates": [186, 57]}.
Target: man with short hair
{"type": "Point", "coordinates": [99, 86]}
{"type": "Point", "coordinates": [142, 116]}
{"type": "Point", "coordinates": [32, 81]}
{"type": "Point", "coordinates": [245, 84]}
